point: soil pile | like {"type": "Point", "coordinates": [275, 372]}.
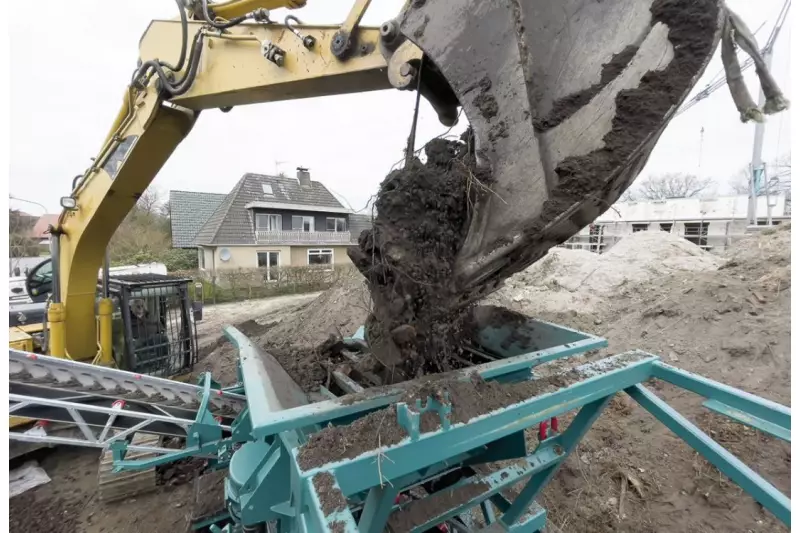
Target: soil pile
{"type": "Point", "coordinates": [423, 213]}
{"type": "Point", "coordinates": [340, 311]}
{"type": "Point", "coordinates": [568, 280]}
{"type": "Point", "coordinates": [731, 325]}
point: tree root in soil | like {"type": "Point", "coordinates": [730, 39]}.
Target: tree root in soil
{"type": "Point", "coordinates": [423, 215]}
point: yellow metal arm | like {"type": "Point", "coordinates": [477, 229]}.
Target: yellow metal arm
{"type": "Point", "coordinates": [237, 8]}
{"type": "Point", "coordinates": [232, 70]}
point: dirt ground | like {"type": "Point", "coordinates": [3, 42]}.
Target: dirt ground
{"type": "Point", "coordinates": [727, 318]}
{"type": "Point", "coordinates": [216, 317]}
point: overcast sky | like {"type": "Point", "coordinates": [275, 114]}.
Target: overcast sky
{"type": "Point", "coordinates": [66, 89]}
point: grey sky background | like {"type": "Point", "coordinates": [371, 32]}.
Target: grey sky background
{"type": "Point", "coordinates": [66, 91]}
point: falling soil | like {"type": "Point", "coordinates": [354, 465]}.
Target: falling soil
{"type": "Point", "coordinates": [423, 213]}
{"type": "Point", "coordinates": [331, 499]}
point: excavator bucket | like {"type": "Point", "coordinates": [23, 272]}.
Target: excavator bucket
{"type": "Point", "coordinates": [566, 99]}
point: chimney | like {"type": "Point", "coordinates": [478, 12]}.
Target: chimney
{"type": "Point", "coordinates": [304, 177]}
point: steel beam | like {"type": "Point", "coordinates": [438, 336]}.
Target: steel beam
{"type": "Point", "coordinates": [751, 404]}
{"type": "Point", "coordinates": [752, 483]}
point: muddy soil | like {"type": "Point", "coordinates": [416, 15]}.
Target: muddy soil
{"type": "Point", "coordinates": [468, 398]}
{"type": "Point", "coordinates": [216, 317]}
{"type": "Point", "coordinates": [423, 213]}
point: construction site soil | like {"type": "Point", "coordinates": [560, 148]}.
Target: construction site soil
{"type": "Point", "coordinates": [408, 257]}
{"type": "Point", "coordinates": [725, 316]}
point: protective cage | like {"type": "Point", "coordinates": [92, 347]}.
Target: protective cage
{"type": "Point", "coordinates": [154, 312]}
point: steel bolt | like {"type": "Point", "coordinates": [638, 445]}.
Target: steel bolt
{"type": "Point", "coordinates": [407, 70]}
{"type": "Point", "coordinates": [388, 30]}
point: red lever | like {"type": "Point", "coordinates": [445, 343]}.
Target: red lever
{"type": "Point", "coordinates": [542, 430]}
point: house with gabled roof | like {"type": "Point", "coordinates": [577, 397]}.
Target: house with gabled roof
{"type": "Point", "coordinates": [266, 222]}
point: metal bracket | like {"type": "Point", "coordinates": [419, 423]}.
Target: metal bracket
{"type": "Point", "coordinates": [308, 40]}
{"type": "Point", "coordinates": [341, 45]}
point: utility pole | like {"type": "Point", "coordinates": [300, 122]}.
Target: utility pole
{"type": "Point", "coordinates": [757, 163]}
{"type": "Point", "coordinates": [757, 170]}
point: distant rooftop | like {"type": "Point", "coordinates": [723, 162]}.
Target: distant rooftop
{"type": "Point", "coordinates": [189, 211]}
{"type": "Point", "coordinates": [229, 222]}
{"type": "Point", "coordinates": [719, 208]}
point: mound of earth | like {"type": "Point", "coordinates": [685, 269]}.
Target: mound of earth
{"type": "Point", "coordinates": [731, 325]}
{"type": "Point", "coordinates": [566, 280]}
{"type": "Point", "coordinates": [340, 311]}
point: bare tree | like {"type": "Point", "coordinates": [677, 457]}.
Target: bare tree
{"type": "Point", "coordinates": [778, 175]}
{"type": "Point", "coordinates": [149, 201]}
{"type": "Point", "coordinates": [673, 185]}
{"type": "Point", "coordinates": [628, 196]}
{"type": "Point", "coordinates": [739, 183]}
{"type": "Point", "coordinates": [21, 242]}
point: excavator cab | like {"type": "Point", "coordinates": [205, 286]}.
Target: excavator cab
{"type": "Point", "coordinates": [153, 321]}
{"type": "Point", "coordinates": [153, 324]}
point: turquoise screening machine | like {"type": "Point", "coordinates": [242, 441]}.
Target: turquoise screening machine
{"type": "Point", "coordinates": [438, 454]}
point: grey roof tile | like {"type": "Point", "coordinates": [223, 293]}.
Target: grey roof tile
{"type": "Point", "coordinates": [189, 211]}
{"type": "Point", "coordinates": [232, 223]}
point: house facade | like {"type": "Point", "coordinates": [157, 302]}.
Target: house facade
{"type": "Point", "coordinates": [266, 222]}
{"type": "Point", "coordinates": [711, 223]}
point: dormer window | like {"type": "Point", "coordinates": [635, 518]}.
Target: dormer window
{"type": "Point", "coordinates": [267, 188]}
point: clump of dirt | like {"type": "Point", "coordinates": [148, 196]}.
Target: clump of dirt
{"type": "Point", "coordinates": [423, 214]}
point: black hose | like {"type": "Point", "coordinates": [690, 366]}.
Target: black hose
{"type": "Point", "coordinates": [182, 85]}
{"type": "Point", "coordinates": [176, 88]}
{"type": "Point", "coordinates": [184, 40]}
{"type": "Point", "coordinates": [231, 23]}
{"type": "Point", "coordinates": [194, 64]}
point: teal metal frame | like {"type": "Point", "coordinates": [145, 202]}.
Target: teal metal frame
{"type": "Point", "coordinates": [266, 483]}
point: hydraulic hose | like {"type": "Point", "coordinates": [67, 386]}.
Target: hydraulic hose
{"type": "Point", "coordinates": [184, 40]}
{"type": "Point", "coordinates": [224, 25]}
{"type": "Point", "coordinates": [183, 85]}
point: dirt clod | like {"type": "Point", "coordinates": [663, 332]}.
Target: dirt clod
{"type": "Point", "coordinates": [408, 257]}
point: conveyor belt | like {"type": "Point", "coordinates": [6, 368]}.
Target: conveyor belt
{"type": "Point", "coordinates": [105, 404]}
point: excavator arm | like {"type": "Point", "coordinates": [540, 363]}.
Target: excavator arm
{"type": "Point", "coordinates": [244, 64]}
{"type": "Point", "coordinates": [567, 100]}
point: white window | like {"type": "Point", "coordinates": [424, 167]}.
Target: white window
{"type": "Point", "coordinates": [269, 262]}
{"type": "Point", "coordinates": [320, 257]}
{"type": "Point", "coordinates": [302, 223]}
{"type": "Point", "coordinates": [268, 222]}
{"type": "Point", "coordinates": [201, 258]}
{"type": "Point", "coordinates": [267, 188]}
{"type": "Point", "coordinates": [335, 224]}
